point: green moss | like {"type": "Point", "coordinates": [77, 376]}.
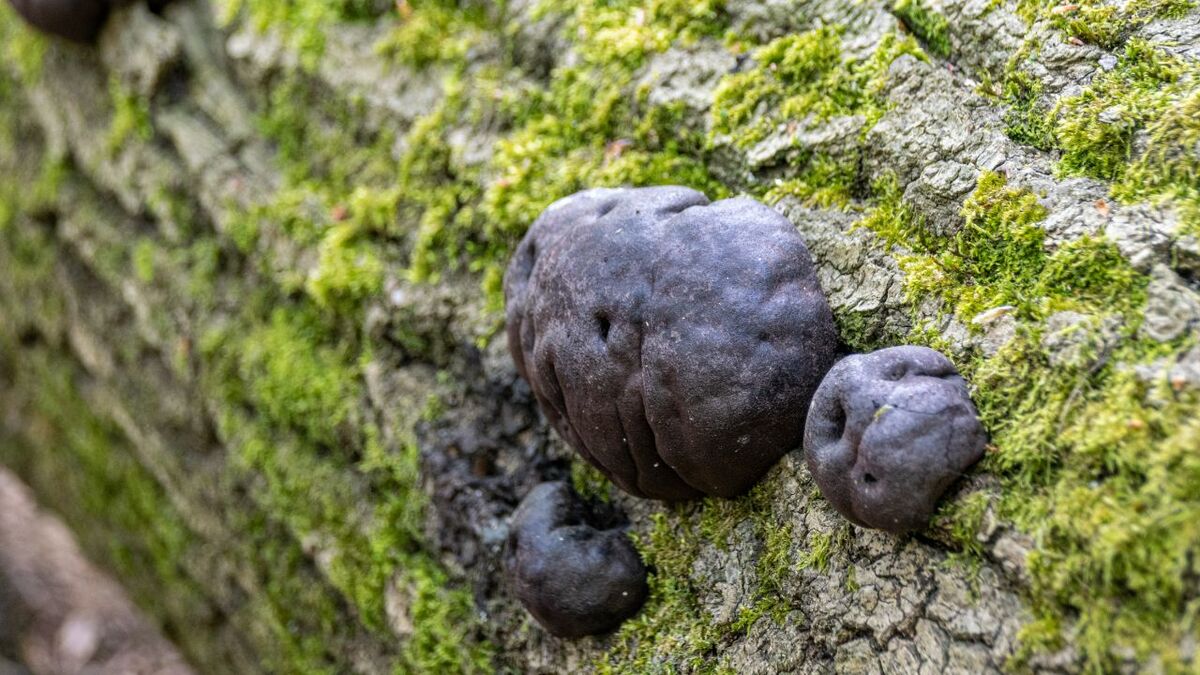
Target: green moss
{"type": "Point", "coordinates": [963, 520]}
{"type": "Point", "coordinates": [671, 633]}
{"type": "Point", "coordinates": [439, 614]}
{"type": "Point", "coordinates": [1096, 128]}
{"type": "Point", "coordinates": [301, 23]}
{"type": "Point", "coordinates": [1133, 125]}
{"type": "Point", "coordinates": [1150, 93]}
{"type": "Point", "coordinates": [997, 258]}
{"type": "Point", "coordinates": [820, 547]}
{"type": "Point", "coordinates": [294, 356]}
{"type": "Point", "coordinates": [620, 34]}
{"type": "Point", "coordinates": [1127, 97]}
{"type": "Point", "coordinates": [589, 483]}
{"type": "Point", "coordinates": [296, 380]}
{"type": "Point", "coordinates": [586, 128]}
{"type": "Point", "coordinates": [993, 260]}
{"type": "Point", "coordinates": [433, 32]}
{"type": "Point", "coordinates": [1081, 445]}
{"type": "Point", "coordinates": [1026, 120]}
{"type": "Point", "coordinates": [803, 78]}
{"type": "Point", "coordinates": [1166, 172]}
{"type": "Point", "coordinates": [131, 117]}
{"type": "Point", "coordinates": [318, 496]}
{"type": "Point", "coordinates": [1093, 470]}
{"type": "Point", "coordinates": [926, 23]}
{"type": "Point", "coordinates": [720, 517]}
{"type": "Point", "coordinates": [348, 270]}
{"type": "Point", "coordinates": [143, 261]}
{"type": "Point", "coordinates": [23, 48]}
{"type": "Point", "coordinates": [821, 182]}
{"type": "Point", "coordinates": [283, 379]}
{"type": "Point", "coordinates": [1104, 24]}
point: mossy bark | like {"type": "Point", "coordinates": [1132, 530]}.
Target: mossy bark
{"type": "Point", "coordinates": [250, 347]}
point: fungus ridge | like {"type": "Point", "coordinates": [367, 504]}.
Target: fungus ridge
{"type": "Point", "coordinates": [703, 322]}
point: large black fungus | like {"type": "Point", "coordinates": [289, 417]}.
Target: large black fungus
{"type": "Point", "coordinates": [78, 20]}
{"type": "Point", "coordinates": [671, 341]}
{"type": "Point", "coordinates": [888, 432]}
{"type": "Point", "coordinates": [573, 578]}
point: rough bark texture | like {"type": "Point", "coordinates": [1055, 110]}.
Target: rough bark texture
{"type": "Point", "coordinates": [251, 351]}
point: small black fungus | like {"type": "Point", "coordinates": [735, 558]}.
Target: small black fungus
{"type": "Point", "coordinates": [575, 579]}
{"type": "Point", "coordinates": [668, 339]}
{"type": "Point", "coordinates": [78, 20]}
{"type": "Point", "coordinates": [888, 432]}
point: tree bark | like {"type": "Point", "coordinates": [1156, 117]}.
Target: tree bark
{"type": "Point", "coordinates": [294, 476]}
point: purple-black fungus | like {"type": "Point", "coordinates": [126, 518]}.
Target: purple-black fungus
{"type": "Point", "coordinates": [575, 579]}
{"type": "Point", "coordinates": [668, 339]}
{"type": "Point", "coordinates": [77, 20]}
{"type": "Point", "coordinates": [888, 432]}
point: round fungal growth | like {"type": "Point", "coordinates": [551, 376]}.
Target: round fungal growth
{"type": "Point", "coordinates": [575, 579]}
{"type": "Point", "coordinates": [888, 432]}
{"type": "Point", "coordinates": [78, 20]}
{"type": "Point", "coordinates": [670, 340]}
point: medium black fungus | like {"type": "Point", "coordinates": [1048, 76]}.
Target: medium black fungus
{"type": "Point", "coordinates": [575, 579]}
{"type": "Point", "coordinates": [888, 432]}
{"type": "Point", "coordinates": [78, 20]}
{"type": "Point", "coordinates": [670, 340]}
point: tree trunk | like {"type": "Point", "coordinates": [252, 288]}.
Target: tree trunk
{"type": "Point", "coordinates": [251, 347]}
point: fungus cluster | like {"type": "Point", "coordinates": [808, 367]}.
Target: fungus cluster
{"type": "Point", "coordinates": [888, 432]}
{"type": "Point", "coordinates": [668, 339]}
{"type": "Point", "coordinates": [78, 20]}
{"type": "Point", "coordinates": [575, 579]}
{"type": "Point", "coordinates": [676, 345]}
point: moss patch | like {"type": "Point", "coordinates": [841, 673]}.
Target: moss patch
{"type": "Point", "coordinates": [672, 632]}
{"type": "Point", "coordinates": [929, 25]}
{"type": "Point", "coordinates": [1104, 24]}
{"type": "Point", "coordinates": [1133, 125]}
{"type": "Point", "coordinates": [803, 78]}
{"type": "Point", "coordinates": [1079, 443]}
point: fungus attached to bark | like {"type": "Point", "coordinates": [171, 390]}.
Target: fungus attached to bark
{"type": "Point", "coordinates": [888, 432]}
{"type": "Point", "coordinates": [670, 340]}
{"type": "Point", "coordinates": [77, 20]}
{"type": "Point", "coordinates": [573, 578]}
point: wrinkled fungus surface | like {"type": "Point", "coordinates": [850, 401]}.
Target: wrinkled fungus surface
{"type": "Point", "coordinates": [77, 20]}
{"type": "Point", "coordinates": [670, 340]}
{"type": "Point", "coordinates": [888, 432]}
{"type": "Point", "coordinates": [573, 578]}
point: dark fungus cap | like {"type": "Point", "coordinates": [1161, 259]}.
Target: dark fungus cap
{"type": "Point", "coordinates": [575, 579]}
{"type": "Point", "coordinates": [671, 341]}
{"type": "Point", "coordinates": [78, 20]}
{"type": "Point", "coordinates": [888, 432]}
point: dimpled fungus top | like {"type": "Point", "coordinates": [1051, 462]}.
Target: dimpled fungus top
{"type": "Point", "coordinates": [574, 579]}
{"type": "Point", "coordinates": [77, 20]}
{"type": "Point", "coordinates": [671, 341]}
{"type": "Point", "coordinates": [888, 433]}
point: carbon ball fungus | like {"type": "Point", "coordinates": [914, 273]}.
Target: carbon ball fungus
{"type": "Point", "coordinates": [575, 579]}
{"type": "Point", "coordinates": [668, 339]}
{"type": "Point", "coordinates": [77, 20]}
{"type": "Point", "coordinates": [888, 432]}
